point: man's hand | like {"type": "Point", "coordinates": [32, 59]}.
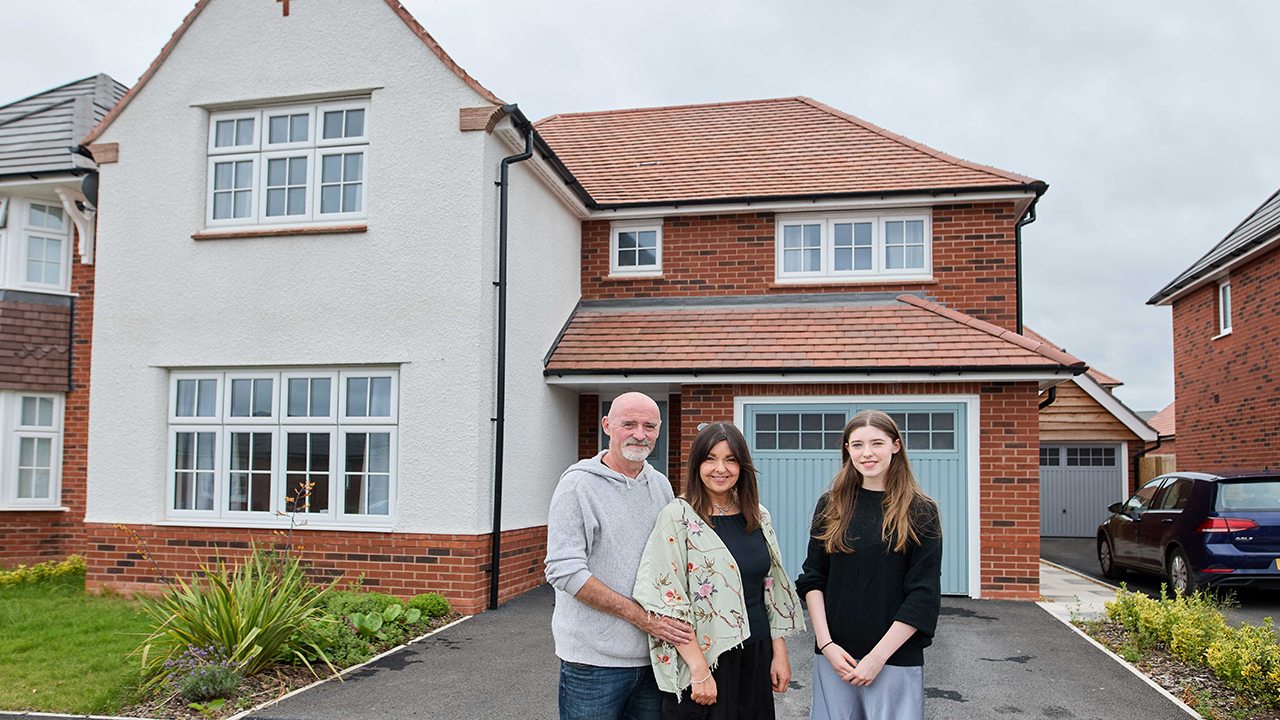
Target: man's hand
{"type": "Point", "coordinates": [666, 629]}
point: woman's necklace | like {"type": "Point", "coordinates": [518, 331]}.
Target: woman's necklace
{"type": "Point", "coordinates": [724, 509]}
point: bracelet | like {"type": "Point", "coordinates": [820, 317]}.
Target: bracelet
{"type": "Point", "coordinates": [825, 646]}
{"type": "Point", "coordinates": [699, 682]}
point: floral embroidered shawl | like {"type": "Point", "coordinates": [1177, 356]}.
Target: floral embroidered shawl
{"type": "Point", "coordinates": [687, 573]}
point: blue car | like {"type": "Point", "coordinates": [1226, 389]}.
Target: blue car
{"type": "Point", "coordinates": [1198, 530]}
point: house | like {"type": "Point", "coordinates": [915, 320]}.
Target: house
{"type": "Point", "coordinates": [1226, 330]}
{"type": "Point", "coordinates": [1090, 444]}
{"type": "Point", "coordinates": [1166, 426]}
{"type": "Point", "coordinates": [339, 326]}
{"type": "Point", "coordinates": [46, 316]}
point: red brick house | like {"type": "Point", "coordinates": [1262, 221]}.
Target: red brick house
{"type": "Point", "coordinates": [782, 265]}
{"type": "Point", "coordinates": [1226, 340]}
{"type": "Point", "coordinates": [46, 317]}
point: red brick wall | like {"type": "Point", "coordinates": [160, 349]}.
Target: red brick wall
{"type": "Point", "coordinates": [1228, 389]}
{"type": "Point", "coordinates": [588, 426]}
{"type": "Point", "coordinates": [974, 264]}
{"type": "Point", "coordinates": [32, 537]}
{"type": "Point", "coordinates": [401, 564]}
{"type": "Point", "coordinates": [1008, 456]}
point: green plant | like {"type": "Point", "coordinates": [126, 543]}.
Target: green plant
{"type": "Point", "coordinates": [208, 708]}
{"type": "Point", "coordinates": [73, 565]}
{"type": "Point", "coordinates": [367, 626]}
{"type": "Point", "coordinates": [204, 673]}
{"type": "Point", "coordinates": [1247, 658]}
{"type": "Point", "coordinates": [262, 612]}
{"type": "Point", "coordinates": [431, 604]}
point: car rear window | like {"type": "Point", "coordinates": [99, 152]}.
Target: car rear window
{"type": "Point", "coordinates": [1259, 495]}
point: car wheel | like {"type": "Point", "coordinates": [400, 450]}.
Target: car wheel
{"type": "Point", "coordinates": [1181, 580]}
{"type": "Point", "coordinates": [1107, 559]}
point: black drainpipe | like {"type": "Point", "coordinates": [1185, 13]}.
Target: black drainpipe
{"type": "Point", "coordinates": [500, 418]}
{"type": "Point", "coordinates": [1027, 219]}
{"type": "Point", "coordinates": [1049, 397]}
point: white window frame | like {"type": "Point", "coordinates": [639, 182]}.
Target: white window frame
{"type": "Point", "coordinates": [1224, 307]}
{"type": "Point", "coordinates": [878, 271]}
{"type": "Point", "coordinates": [315, 148]}
{"type": "Point", "coordinates": [336, 425]}
{"type": "Point", "coordinates": [11, 411]}
{"type": "Point", "coordinates": [62, 235]}
{"type": "Point", "coordinates": [634, 270]}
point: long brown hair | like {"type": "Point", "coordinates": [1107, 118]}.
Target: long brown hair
{"type": "Point", "coordinates": [696, 492]}
{"type": "Point", "coordinates": [901, 491]}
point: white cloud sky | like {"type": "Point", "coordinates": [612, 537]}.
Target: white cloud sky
{"type": "Point", "coordinates": [1151, 121]}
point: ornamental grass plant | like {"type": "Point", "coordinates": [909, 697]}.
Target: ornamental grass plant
{"type": "Point", "coordinates": [262, 612]}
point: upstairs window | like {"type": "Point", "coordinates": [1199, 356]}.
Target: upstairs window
{"type": "Point", "coordinates": [297, 164]}
{"type": "Point", "coordinates": [45, 248]}
{"type": "Point", "coordinates": [819, 248]}
{"type": "Point", "coordinates": [1224, 307]}
{"type": "Point", "coordinates": [635, 249]}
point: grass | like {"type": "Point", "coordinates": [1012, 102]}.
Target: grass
{"type": "Point", "coordinates": [62, 650]}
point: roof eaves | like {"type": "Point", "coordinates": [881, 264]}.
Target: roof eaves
{"type": "Point", "coordinates": [1040, 348]}
{"type": "Point", "coordinates": [395, 6]}
{"type": "Point", "coordinates": [801, 370]}
{"type": "Point", "coordinates": [822, 196]}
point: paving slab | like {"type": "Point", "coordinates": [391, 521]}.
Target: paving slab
{"type": "Point", "coordinates": [991, 659]}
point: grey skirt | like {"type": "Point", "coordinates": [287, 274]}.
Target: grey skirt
{"type": "Point", "coordinates": [897, 693]}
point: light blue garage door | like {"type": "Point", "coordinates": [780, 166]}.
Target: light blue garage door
{"type": "Point", "coordinates": [796, 449]}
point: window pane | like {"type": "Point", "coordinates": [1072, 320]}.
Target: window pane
{"type": "Point", "coordinates": [29, 410]}
{"type": "Point", "coordinates": [297, 201]}
{"type": "Point", "coordinates": [320, 452]}
{"type": "Point", "coordinates": [333, 124]}
{"type": "Point", "coordinates": [767, 422]}
{"type": "Point", "coordinates": [26, 452]}
{"type": "Point", "coordinates": [275, 202]}
{"type": "Point", "coordinates": [626, 240]}
{"type": "Point", "coordinates": [893, 233]}
{"type": "Point", "coordinates": [944, 421]}
{"type": "Point", "coordinates": [862, 234]}
{"type": "Point", "coordinates": [44, 449]}
{"type": "Point", "coordinates": [810, 421]}
{"type": "Point", "coordinates": [789, 421]}
{"type": "Point", "coordinates": [244, 131]}
{"type": "Point", "coordinates": [915, 256]}
{"type": "Point", "coordinates": [791, 261]}
{"type": "Point", "coordinates": [944, 441]}
{"type": "Point", "coordinates": [320, 397]}
{"type": "Point", "coordinates": [357, 397]}
{"type": "Point", "coordinates": [353, 164]}
{"type": "Point", "coordinates": [917, 421]}
{"type": "Point", "coordinates": [766, 441]}
{"type": "Point", "coordinates": [843, 235]}
{"type": "Point", "coordinates": [208, 402]}
{"type": "Point", "coordinates": [204, 451]}
{"type": "Point", "coordinates": [186, 402]}
{"type": "Point", "coordinates": [221, 206]}
{"type": "Point", "coordinates": [295, 457]}
{"type": "Point", "coordinates": [899, 419]}
{"type": "Point", "coordinates": [355, 123]}
{"type": "Point", "coordinates": [297, 403]}
{"type": "Point", "coordinates": [862, 259]}
{"type": "Point", "coordinates": [648, 239]}
{"type": "Point", "coordinates": [351, 198]}
{"type": "Point", "coordinates": [844, 259]}
{"type": "Point", "coordinates": [917, 441]}
{"type": "Point", "coordinates": [262, 397]}
{"type": "Point", "coordinates": [647, 257]}
{"type": "Point", "coordinates": [915, 232]}
{"type": "Point", "coordinates": [298, 131]}
{"type": "Point", "coordinates": [831, 441]}
{"type": "Point", "coordinates": [278, 129]}
{"type": "Point", "coordinates": [242, 206]}
{"type": "Point", "coordinates": [791, 236]}
{"type": "Point", "coordinates": [241, 394]}
{"type": "Point", "coordinates": [330, 198]}
{"type": "Point", "coordinates": [276, 171]}
{"type": "Point", "coordinates": [331, 168]}
{"type": "Point", "coordinates": [244, 174]}
{"type": "Point", "coordinates": [35, 271]}
{"type": "Point", "coordinates": [812, 260]}
{"type": "Point", "coordinates": [380, 397]}
{"type": "Point", "coordinates": [810, 441]}
{"type": "Point", "coordinates": [35, 215]}
{"type": "Point", "coordinates": [224, 133]}
{"type": "Point", "coordinates": [788, 441]}
{"type": "Point", "coordinates": [298, 171]}
{"type": "Point", "coordinates": [833, 421]}
{"type": "Point", "coordinates": [222, 176]}
{"type": "Point", "coordinates": [379, 452]}
{"type": "Point", "coordinates": [893, 258]}
{"type": "Point", "coordinates": [262, 452]}
{"type": "Point", "coordinates": [812, 236]}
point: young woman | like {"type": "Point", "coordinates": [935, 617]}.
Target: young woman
{"type": "Point", "coordinates": [871, 580]}
{"type": "Point", "coordinates": [713, 562]}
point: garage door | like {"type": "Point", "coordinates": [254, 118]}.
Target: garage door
{"type": "Point", "coordinates": [1077, 483]}
{"type": "Point", "coordinates": [796, 449]}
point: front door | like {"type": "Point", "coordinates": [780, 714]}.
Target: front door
{"type": "Point", "coordinates": [796, 449]}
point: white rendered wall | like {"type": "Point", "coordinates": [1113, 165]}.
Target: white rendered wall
{"type": "Point", "coordinates": [416, 289]}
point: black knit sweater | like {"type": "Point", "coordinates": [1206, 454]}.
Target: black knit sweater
{"type": "Point", "coordinates": [866, 590]}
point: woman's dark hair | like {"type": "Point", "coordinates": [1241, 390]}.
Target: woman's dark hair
{"type": "Point", "coordinates": [696, 492]}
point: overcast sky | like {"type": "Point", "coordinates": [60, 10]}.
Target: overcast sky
{"type": "Point", "coordinates": [1152, 122]}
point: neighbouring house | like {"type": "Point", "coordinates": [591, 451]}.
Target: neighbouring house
{"type": "Point", "coordinates": [1166, 426]}
{"type": "Point", "coordinates": [1226, 338]}
{"type": "Point", "coordinates": [46, 316]}
{"type": "Point", "coordinates": [310, 329]}
{"type": "Point", "coordinates": [1090, 442]}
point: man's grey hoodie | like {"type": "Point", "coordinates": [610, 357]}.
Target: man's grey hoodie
{"type": "Point", "coordinates": [599, 523]}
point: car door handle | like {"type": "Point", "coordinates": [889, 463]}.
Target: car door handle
{"type": "Point", "coordinates": [1167, 521]}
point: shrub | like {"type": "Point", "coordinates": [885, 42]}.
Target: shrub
{"type": "Point", "coordinates": [43, 571]}
{"type": "Point", "coordinates": [1248, 659]}
{"type": "Point", "coordinates": [204, 673]}
{"type": "Point", "coordinates": [262, 612]}
{"type": "Point", "coordinates": [431, 604]}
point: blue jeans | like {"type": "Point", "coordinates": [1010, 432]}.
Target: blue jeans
{"type": "Point", "coordinates": [591, 692]}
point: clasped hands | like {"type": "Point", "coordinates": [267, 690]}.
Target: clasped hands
{"type": "Point", "coordinates": [852, 671]}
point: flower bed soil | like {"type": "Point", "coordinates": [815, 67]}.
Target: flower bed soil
{"type": "Point", "coordinates": [274, 683]}
{"type": "Point", "coordinates": [1196, 686]}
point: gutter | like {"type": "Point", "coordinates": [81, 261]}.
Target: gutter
{"type": "Point", "coordinates": [500, 415]}
{"type": "Point", "coordinates": [810, 370]}
{"type": "Point", "coordinates": [1050, 397]}
{"type": "Point", "coordinates": [1038, 188]}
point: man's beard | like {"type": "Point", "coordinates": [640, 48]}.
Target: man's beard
{"type": "Point", "coordinates": [635, 452]}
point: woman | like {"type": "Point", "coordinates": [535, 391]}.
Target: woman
{"type": "Point", "coordinates": [713, 562]}
{"type": "Point", "coordinates": [872, 580]}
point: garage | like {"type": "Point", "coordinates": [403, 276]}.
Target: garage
{"type": "Point", "coordinates": [796, 448]}
{"type": "Point", "coordinates": [1077, 483]}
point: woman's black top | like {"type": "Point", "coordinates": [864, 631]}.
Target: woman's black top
{"type": "Point", "coordinates": [866, 590]}
{"type": "Point", "coordinates": [752, 557]}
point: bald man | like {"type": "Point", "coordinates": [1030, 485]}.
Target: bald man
{"type": "Point", "coordinates": [601, 515]}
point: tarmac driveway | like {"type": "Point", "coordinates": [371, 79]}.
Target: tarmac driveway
{"type": "Point", "coordinates": [991, 659]}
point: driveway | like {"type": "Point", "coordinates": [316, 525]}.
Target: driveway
{"type": "Point", "coordinates": [991, 659]}
{"type": "Point", "coordinates": [1081, 555]}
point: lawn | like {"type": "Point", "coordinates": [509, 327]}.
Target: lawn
{"type": "Point", "coordinates": [62, 650]}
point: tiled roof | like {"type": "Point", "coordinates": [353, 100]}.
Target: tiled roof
{"type": "Point", "coordinates": [1163, 422]}
{"type": "Point", "coordinates": [1098, 376]}
{"type": "Point", "coordinates": [1257, 229]}
{"type": "Point", "coordinates": [764, 148]}
{"type": "Point", "coordinates": [907, 334]}
{"type": "Point", "coordinates": [395, 6]}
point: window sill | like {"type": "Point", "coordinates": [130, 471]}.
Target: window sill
{"type": "Point", "coordinates": [636, 276]}
{"type": "Point", "coordinates": [35, 509]}
{"type": "Point", "coordinates": [1222, 334]}
{"type": "Point", "coordinates": [278, 232]}
{"type": "Point", "coordinates": [878, 280]}
{"type": "Point", "coordinates": [223, 523]}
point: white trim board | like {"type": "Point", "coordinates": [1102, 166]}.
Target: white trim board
{"type": "Point", "coordinates": [973, 447]}
{"type": "Point", "coordinates": [1119, 410]}
{"type": "Point", "coordinates": [594, 383]}
{"type": "Point", "coordinates": [923, 200]}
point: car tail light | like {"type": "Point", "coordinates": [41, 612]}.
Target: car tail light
{"type": "Point", "coordinates": [1218, 570]}
{"type": "Point", "coordinates": [1226, 525]}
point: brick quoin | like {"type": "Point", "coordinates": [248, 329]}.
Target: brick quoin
{"type": "Point", "coordinates": [974, 261]}
{"type": "Point", "coordinates": [1228, 388]}
{"type": "Point", "coordinates": [399, 564]}
{"type": "Point", "coordinates": [1009, 493]}
{"type": "Point", "coordinates": [28, 537]}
